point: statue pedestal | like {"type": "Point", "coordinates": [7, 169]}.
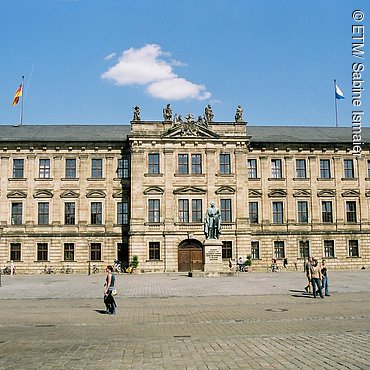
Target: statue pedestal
{"type": "Point", "coordinates": [213, 255]}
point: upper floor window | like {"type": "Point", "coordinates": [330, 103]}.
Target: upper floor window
{"type": "Point", "coordinates": [276, 171]}
{"type": "Point", "coordinates": [183, 164]}
{"type": "Point", "coordinates": [96, 213]}
{"type": "Point", "coordinates": [183, 210]}
{"type": "Point", "coordinates": [196, 210]}
{"type": "Point", "coordinates": [44, 168]}
{"type": "Point", "coordinates": [225, 168]}
{"type": "Point", "coordinates": [71, 168]}
{"type": "Point", "coordinates": [153, 163]}
{"type": "Point", "coordinates": [123, 170]}
{"type": "Point", "coordinates": [300, 168]}
{"type": "Point", "coordinates": [351, 211]}
{"type": "Point", "coordinates": [277, 212]}
{"type": "Point", "coordinates": [122, 213]}
{"type": "Point", "coordinates": [252, 168]}
{"type": "Point", "coordinates": [353, 248]}
{"type": "Point", "coordinates": [325, 169]}
{"type": "Point", "coordinates": [327, 211]}
{"type": "Point", "coordinates": [302, 211]}
{"type": "Point", "coordinates": [349, 172]}
{"type": "Point", "coordinates": [226, 210]}
{"type": "Point", "coordinates": [69, 213]}
{"type": "Point", "coordinates": [96, 168]}
{"type": "Point", "coordinates": [18, 168]}
{"type": "Point", "coordinates": [196, 164]}
{"type": "Point", "coordinates": [253, 212]}
{"type": "Point", "coordinates": [154, 211]}
{"type": "Point", "coordinates": [17, 213]}
{"type": "Point", "coordinates": [43, 213]}
{"type": "Point", "coordinates": [368, 169]}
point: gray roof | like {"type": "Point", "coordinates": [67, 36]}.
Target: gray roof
{"type": "Point", "coordinates": [117, 133]}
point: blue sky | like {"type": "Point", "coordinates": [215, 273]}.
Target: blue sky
{"type": "Point", "coordinates": [92, 61]}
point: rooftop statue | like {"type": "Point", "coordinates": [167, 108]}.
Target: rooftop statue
{"type": "Point", "coordinates": [136, 114]}
{"type": "Point", "coordinates": [239, 114]}
{"type": "Point", "coordinates": [167, 113]}
{"type": "Point", "coordinates": [208, 113]}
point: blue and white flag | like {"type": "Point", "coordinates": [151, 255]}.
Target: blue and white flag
{"type": "Point", "coordinates": [338, 93]}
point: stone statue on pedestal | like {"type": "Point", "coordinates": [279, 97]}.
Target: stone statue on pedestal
{"type": "Point", "coordinates": [212, 224]}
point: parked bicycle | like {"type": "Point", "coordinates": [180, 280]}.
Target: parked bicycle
{"type": "Point", "coordinates": [48, 270]}
{"type": "Point", "coordinates": [273, 268]}
{"type": "Point", "coordinates": [95, 269]}
{"type": "Point", "coordinates": [66, 270]}
{"type": "Point", "coordinates": [6, 270]}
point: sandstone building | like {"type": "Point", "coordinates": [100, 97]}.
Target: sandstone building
{"type": "Point", "coordinates": [74, 195]}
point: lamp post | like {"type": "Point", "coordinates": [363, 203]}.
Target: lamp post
{"type": "Point", "coordinates": [89, 266]}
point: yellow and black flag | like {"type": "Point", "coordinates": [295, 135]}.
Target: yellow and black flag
{"type": "Point", "coordinates": [17, 95]}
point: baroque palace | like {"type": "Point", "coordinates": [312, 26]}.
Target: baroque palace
{"type": "Point", "coordinates": [74, 195]}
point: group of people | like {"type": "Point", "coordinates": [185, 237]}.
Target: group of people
{"type": "Point", "coordinates": [317, 277]}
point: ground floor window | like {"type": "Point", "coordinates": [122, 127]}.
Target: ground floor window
{"type": "Point", "coordinates": [154, 250]}
{"type": "Point", "coordinates": [69, 252]}
{"type": "Point", "coordinates": [255, 250]}
{"type": "Point", "coordinates": [15, 251]}
{"type": "Point", "coordinates": [304, 248]}
{"type": "Point", "coordinates": [279, 249]}
{"type": "Point", "coordinates": [353, 248]}
{"type": "Point", "coordinates": [329, 248]}
{"type": "Point", "coordinates": [227, 249]}
{"type": "Point", "coordinates": [42, 251]}
{"type": "Point", "coordinates": [95, 252]}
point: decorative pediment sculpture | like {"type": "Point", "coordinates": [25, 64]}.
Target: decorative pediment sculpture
{"type": "Point", "coordinates": [302, 193]}
{"type": "Point", "coordinates": [255, 193]}
{"type": "Point", "coordinates": [326, 193]}
{"type": "Point", "coordinates": [17, 194]}
{"type": "Point", "coordinates": [44, 193]}
{"type": "Point", "coordinates": [225, 190]}
{"type": "Point", "coordinates": [190, 190]}
{"type": "Point", "coordinates": [351, 193]}
{"type": "Point", "coordinates": [69, 194]}
{"type": "Point", "coordinates": [153, 190]}
{"type": "Point", "coordinates": [277, 193]}
{"type": "Point", "coordinates": [95, 194]}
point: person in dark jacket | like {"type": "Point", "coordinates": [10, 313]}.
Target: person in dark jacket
{"type": "Point", "coordinates": [109, 301]}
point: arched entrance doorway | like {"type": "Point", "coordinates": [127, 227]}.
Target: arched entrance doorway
{"type": "Point", "coordinates": [190, 256]}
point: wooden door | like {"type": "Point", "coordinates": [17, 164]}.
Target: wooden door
{"type": "Point", "coordinates": [184, 260]}
{"type": "Point", "coordinates": [190, 259]}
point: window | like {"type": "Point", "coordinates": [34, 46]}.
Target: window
{"type": "Point", "coordinates": [302, 211]}
{"type": "Point", "coordinates": [196, 164]}
{"type": "Point", "coordinates": [17, 213]}
{"type": "Point", "coordinates": [42, 251]}
{"type": "Point", "coordinates": [95, 252]}
{"type": "Point", "coordinates": [69, 213]}
{"type": "Point", "coordinates": [226, 210]}
{"type": "Point", "coordinates": [277, 212]}
{"type": "Point", "coordinates": [153, 163]}
{"type": "Point", "coordinates": [279, 250]}
{"type": "Point", "coordinates": [183, 210]}
{"type": "Point", "coordinates": [18, 168]}
{"type": "Point", "coordinates": [327, 213]}
{"type": "Point", "coordinates": [351, 211]}
{"type": "Point", "coordinates": [252, 168]}
{"type": "Point", "coordinates": [44, 169]}
{"type": "Point", "coordinates": [304, 248]}
{"type": "Point", "coordinates": [196, 210]}
{"type": "Point", "coordinates": [154, 250]}
{"type": "Point", "coordinates": [368, 169]}
{"type": "Point", "coordinates": [183, 164]}
{"type": "Point", "coordinates": [154, 214]}
{"type": "Point", "coordinates": [227, 249]}
{"type": "Point", "coordinates": [225, 164]}
{"type": "Point", "coordinates": [353, 248]}
{"type": "Point", "coordinates": [97, 168]}
{"type": "Point", "coordinates": [122, 213]}
{"type": "Point", "coordinates": [325, 169]}
{"type": "Point", "coordinates": [96, 213]}
{"type": "Point", "coordinates": [276, 172]}
{"type": "Point", "coordinates": [69, 252]}
{"type": "Point", "coordinates": [71, 168]}
{"type": "Point", "coordinates": [123, 170]}
{"type": "Point", "coordinates": [300, 168]}
{"type": "Point", "coordinates": [43, 213]}
{"type": "Point", "coordinates": [15, 251]}
{"type": "Point", "coordinates": [253, 212]}
{"type": "Point", "coordinates": [329, 248]}
{"type": "Point", "coordinates": [255, 250]}
{"type": "Point", "coordinates": [349, 172]}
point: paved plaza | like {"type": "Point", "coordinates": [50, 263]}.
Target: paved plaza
{"type": "Point", "coordinates": [170, 321]}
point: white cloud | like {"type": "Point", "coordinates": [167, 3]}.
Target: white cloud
{"type": "Point", "coordinates": [147, 66]}
{"type": "Point", "coordinates": [110, 56]}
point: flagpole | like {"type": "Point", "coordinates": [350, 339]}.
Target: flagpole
{"type": "Point", "coordinates": [336, 106]}
{"type": "Point", "coordinates": [21, 114]}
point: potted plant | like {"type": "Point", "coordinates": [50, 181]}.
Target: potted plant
{"type": "Point", "coordinates": [134, 263]}
{"type": "Point", "coordinates": [248, 263]}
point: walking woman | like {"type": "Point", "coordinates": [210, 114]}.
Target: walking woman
{"type": "Point", "coordinates": [109, 301]}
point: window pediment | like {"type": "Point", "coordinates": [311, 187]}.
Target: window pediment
{"type": "Point", "coordinates": [191, 190]}
{"type": "Point", "coordinates": [302, 193]}
{"type": "Point", "coordinates": [69, 194]}
{"type": "Point", "coordinates": [153, 190]}
{"type": "Point", "coordinates": [225, 190]}
{"type": "Point", "coordinates": [277, 193]}
{"type": "Point", "coordinates": [120, 194]}
{"type": "Point", "coordinates": [351, 193]}
{"type": "Point", "coordinates": [326, 193]}
{"type": "Point", "coordinates": [254, 193]}
{"type": "Point", "coordinates": [17, 194]}
{"type": "Point", "coordinates": [95, 194]}
{"type": "Point", "coordinates": [43, 194]}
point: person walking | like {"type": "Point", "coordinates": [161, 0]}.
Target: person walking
{"type": "Point", "coordinates": [325, 281]}
{"type": "Point", "coordinates": [315, 273]}
{"type": "Point", "coordinates": [307, 267]}
{"type": "Point", "coordinates": [109, 301]}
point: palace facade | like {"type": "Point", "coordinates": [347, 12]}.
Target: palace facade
{"type": "Point", "coordinates": [76, 195]}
